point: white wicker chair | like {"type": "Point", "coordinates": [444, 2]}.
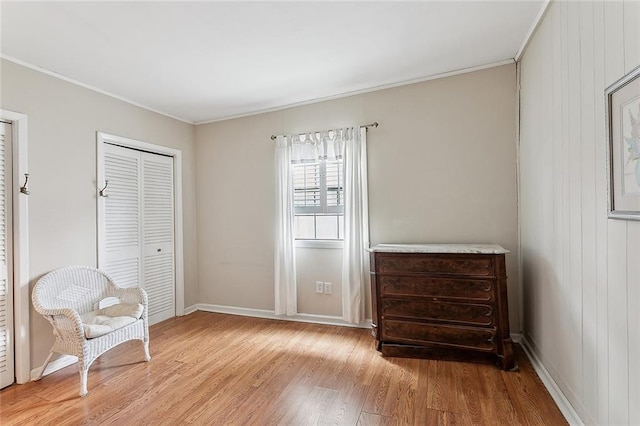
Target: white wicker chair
{"type": "Point", "coordinates": [63, 295]}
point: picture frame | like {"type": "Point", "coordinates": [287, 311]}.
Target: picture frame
{"type": "Point", "coordinates": [623, 146]}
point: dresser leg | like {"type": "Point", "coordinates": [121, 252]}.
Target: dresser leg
{"type": "Point", "coordinates": [506, 360]}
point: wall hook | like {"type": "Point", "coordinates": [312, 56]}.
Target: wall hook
{"type": "Point", "coordinates": [23, 188]}
{"type": "Point", "coordinates": [101, 192]}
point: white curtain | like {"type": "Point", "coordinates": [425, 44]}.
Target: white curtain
{"type": "Point", "coordinates": [285, 252]}
{"type": "Point", "coordinates": [355, 260]}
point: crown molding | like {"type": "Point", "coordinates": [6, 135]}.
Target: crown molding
{"type": "Point", "coordinates": [266, 110]}
{"type": "Point", "coordinates": [532, 30]}
{"type": "Point", "coordinates": [88, 86]}
{"type": "Point", "coordinates": [362, 91]}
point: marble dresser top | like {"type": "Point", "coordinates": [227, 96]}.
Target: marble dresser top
{"type": "Point", "coordinates": [439, 248]}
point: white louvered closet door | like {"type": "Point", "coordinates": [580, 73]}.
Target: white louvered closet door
{"type": "Point", "coordinates": [122, 219]}
{"type": "Point", "coordinates": [7, 374]}
{"type": "Point", "coordinates": [137, 225]}
{"type": "Point", "coordinates": [157, 235]}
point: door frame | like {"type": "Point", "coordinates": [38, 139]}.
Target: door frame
{"type": "Point", "coordinates": [20, 229]}
{"type": "Point", "coordinates": [101, 139]}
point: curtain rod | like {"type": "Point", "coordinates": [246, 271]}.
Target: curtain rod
{"type": "Point", "coordinates": [366, 126]}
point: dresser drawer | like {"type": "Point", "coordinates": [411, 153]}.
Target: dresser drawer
{"type": "Point", "coordinates": [463, 313]}
{"type": "Point", "coordinates": [434, 264]}
{"type": "Point", "coordinates": [441, 335]}
{"type": "Point", "coordinates": [445, 288]}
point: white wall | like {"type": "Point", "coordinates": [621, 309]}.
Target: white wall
{"type": "Point", "coordinates": [320, 264]}
{"type": "Point", "coordinates": [62, 122]}
{"type": "Point", "coordinates": [581, 270]}
{"type": "Point", "coordinates": [442, 168]}
{"type": "Point", "coordinates": [235, 187]}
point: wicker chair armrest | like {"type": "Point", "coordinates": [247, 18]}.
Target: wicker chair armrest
{"type": "Point", "coordinates": [131, 295]}
{"type": "Point", "coordinates": [67, 312]}
{"type": "Point", "coordinates": [66, 322]}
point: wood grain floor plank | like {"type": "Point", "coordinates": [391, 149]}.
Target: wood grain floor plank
{"type": "Point", "coordinates": [421, 410]}
{"type": "Point", "coordinates": [444, 388]}
{"type": "Point", "coordinates": [220, 369]}
{"type": "Point", "coordinates": [445, 418]}
{"type": "Point", "coordinates": [375, 402]}
{"type": "Point", "coordinates": [402, 406]}
{"type": "Point", "coordinates": [371, 419]}
{"type": "Point", "coordinates": [500, 406]}
{"type": "Point", "coordinates": [477, 403]}
{"type": "Point", "coordinates": [532, 407]}
{"type": "Point", "coordinates": [347, 406]}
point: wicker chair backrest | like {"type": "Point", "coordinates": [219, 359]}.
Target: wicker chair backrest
{"type": "Point", "coordinates": [77, 287]}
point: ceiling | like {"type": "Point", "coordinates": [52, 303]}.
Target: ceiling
{"type": "Point", "coordinates": [205, 61]}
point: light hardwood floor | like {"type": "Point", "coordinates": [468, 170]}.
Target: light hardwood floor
{"type": "Point", "coordinates": [218, 369]}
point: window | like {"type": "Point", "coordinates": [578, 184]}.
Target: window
{"type": "Point", "coordinates": [318, 200]}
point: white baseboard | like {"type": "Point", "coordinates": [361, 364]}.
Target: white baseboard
{"type": "Point", "coordinates": [190, 309]}
{"type": "Point", "coordinates": [53, 366]}
{"type": "Point", "coordinates": [516, 337]}
{"type": "Point", "coordinates": [569, 413]}
{"type": "Point", "coordinates": [263, 313]}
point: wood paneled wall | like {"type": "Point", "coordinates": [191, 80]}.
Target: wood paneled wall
{"type": "Point", "coordinates": [581, 271]}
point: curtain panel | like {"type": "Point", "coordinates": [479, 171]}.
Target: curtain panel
{"type": "Point", "coordinates": [355, 258]}
{"type": "Point", "coordinates": [286, 302]}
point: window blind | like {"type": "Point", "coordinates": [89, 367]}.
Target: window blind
{"type": "Point", "coordinates": [318, 199]}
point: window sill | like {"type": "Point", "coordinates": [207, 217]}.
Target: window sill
{"type": "Point", "coordinates": [320, 244]}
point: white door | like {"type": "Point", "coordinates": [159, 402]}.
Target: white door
{"type": "Point", "coordinates": [158, 269]}
{"type": "Point", "coordinates": [121, 241]}
{"type": "Point", "coordinates": [7, 374]}
{"type": "Point", "coordinates": [137, 225]}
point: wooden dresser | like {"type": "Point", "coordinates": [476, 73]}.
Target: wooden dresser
{"type": "Point", "coordinates": [445, 301]}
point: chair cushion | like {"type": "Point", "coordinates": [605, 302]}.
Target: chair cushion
{"type": "Point", "coordinates": [103, 321]}
{"type": "Point", "coordinates": [133, 310]}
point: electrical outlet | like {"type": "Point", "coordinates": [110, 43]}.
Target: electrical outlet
{"type": "Point", "coordinates": [327, 288]}
{"type": "Point", "coordinates": [319, 287]}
